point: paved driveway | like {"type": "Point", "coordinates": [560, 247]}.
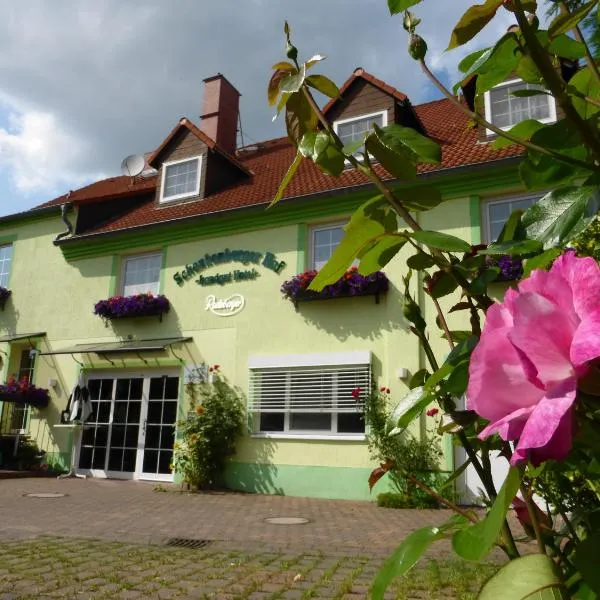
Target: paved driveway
{"type": "Point", "coordinates": [135, 512]}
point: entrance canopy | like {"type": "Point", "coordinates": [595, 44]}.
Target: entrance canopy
{"type": "Point", "coordinates": [124, 346]}
{"type": "Point", "coordinates": [15, 337]}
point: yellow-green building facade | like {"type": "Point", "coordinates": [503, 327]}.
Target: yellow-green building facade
{"type": "Point", "coordinates": [194, 227]}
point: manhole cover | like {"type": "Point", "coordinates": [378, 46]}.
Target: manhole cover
{"type": "Point", "coordinates": [287, 520]}
{"type": "Point", "coordinates": [45, 495]}
{"type": "Point", "coordinates": [187, 543]}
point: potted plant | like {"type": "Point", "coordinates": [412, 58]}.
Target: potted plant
{"type": "Point", "coordinates": [352, 283]}
{"type": "Point", "coordinates": [140, 305]}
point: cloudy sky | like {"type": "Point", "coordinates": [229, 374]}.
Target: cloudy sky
{"type": "Point", "coordinates": [83, 84]}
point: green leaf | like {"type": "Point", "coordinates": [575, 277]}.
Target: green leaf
{"type": "Point", "coordinates": [371, 220]}
{"type": "Point", "coordinates": [513, 248]}
{"type": "Point", "coordinates": [379, 254]}
{"type": "Point", "coordinates": [419, 378]}
{"type": "Point", "coordinates": [527, 70]}
{"type": "Point", "coordinates": [586, 84]}
{"type": "Point", "coordinates": [541, 261]}
{"type": "Point", "coordinates": [408, 409]}
{"type": "Point", "coordinates": [528, 93]}
{"type": "Point", "coordinates": [524, 130]}
{"type": "Point", "coordinates": [468, 61]}
{"type": "Point", "coordinates": [456, 385]}
{"type": "Point", "coordinates": [443, 285]}
{"type": "Point", "coordinates": [586, 560]}
{"type": "Point", "coordinates": [566, 47]}
{"type": "Point", "coordinates": [441, 241]}
{"type": "Point", "coordinates": [533, 577]}
{"type": "Point", "coordinates": [473, 21]}
{"type": "Point", "coordinates": [513, 229]}
{"type": "Point", "coordinates": [313, 60]}
{"type": "Point", "coordinates": [313, 144]}
{"type": "Point", "coordinates": [552, 219]}
{"type": "Point", "coordinates": [541, 171]}
{"type": "Point", "coordinates": [420, 261]}
{"type": "Point", "coordinates": [461, 351]}
{"type": "Point", "coordinates": [398, 6]}
{"type": "Point", "coordinates": [475, 542]}
{"type": "Point", "coordinates": [287, 178]}
{"type": "Point", "coordinates": [501, 63]}
{"type": "Point", "coordinates": [438, 376]}
{"type": "Point", "coordinates": [350, 148]}
{"type": "Point", "coordinates": [422, 198]}
{"type": "Point", "coordinates": [402, 139]}
{"type": "Point", "coordinates": [398, 163]}
{"type": "Point", "coordinates": [324, 85]}
{"type": "Point", "coordinates": [479, 285]}
{"type": "Point", "coordinates": [331, 161]}
{"type": "Point", "coordinates": [292, 82]}
{"type": "Point", "coordinates": [273, 87]}
{"type": "Point", "coordinates": [299, 116]}
{"type": "Point", "coordinates": [563, 23]}
{"type": "Point", "coordinates": [404, 558]}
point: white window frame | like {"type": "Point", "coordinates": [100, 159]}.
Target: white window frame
{"type": "Point", "coordinates": [487, 238]}
{"type": "Point", "coordinates": [164, 168]}
{"type": "Point", "coordinates": [384, 122]}
{"type": "Point", "coordinates": [12, 252]}
{"type": "Point", "coordinates": [311, 240]}
{"type": "Point", "coordinates": [321, 359]}
{"type": "Point", "coordinates": [129, 257]}
{"type": "Point", "coordinates": [488, 106]}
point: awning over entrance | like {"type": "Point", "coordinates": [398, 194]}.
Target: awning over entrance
{"type": "Point", "coordinates": [134, 346]}
{"type": "Point", "coordinates": [15, 337]}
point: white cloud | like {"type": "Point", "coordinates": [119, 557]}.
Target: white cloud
{"type": "Point", "coordinates": [40, 154]}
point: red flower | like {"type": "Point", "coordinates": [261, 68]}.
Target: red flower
{"type": "Point", "coordinates": [216, 367]}
{"type": "Point", "coordinates": [385, 390]}
{"type": "Point", "coordinates": [432, 412]}
{"type": "Point", "coordinates": [356, 393]}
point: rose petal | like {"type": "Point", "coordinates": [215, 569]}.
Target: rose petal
{"type": "Point", "coordinates": [498, 383]}
{"type": "Point", "coordinates": [544, 334]}
{"type": "Point", "coordinates": [510, 426]}
{"type": "Point", "coordinates": [586, 341]}
{"type": "Point", "coordinates": [583, 277]}
{"type": "Point", "coordinates": [547, 435]}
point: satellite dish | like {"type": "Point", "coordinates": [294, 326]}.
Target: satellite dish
{"type": "Point", "coordinates": [132, 165]}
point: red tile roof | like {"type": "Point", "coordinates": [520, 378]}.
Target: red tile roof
{"type": "Point", "coordinates": [269, 161]}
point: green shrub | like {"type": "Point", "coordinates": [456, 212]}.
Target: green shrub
{"type": "Point", "coordinates": [419, 457]}
{"type": "Point", "coordinates": [396, 500]}
{"type": "Point", "coordinates": [208, 436]}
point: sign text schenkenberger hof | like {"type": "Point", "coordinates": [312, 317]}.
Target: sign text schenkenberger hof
{"type": "Point", "coordinates": [194, 271]}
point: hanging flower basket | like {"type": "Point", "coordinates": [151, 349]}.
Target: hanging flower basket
{"type": "Point", "coordinates": [4, 296]}
{"type": "Point", "coordinates": [140, 305]}
{"type": "Point", "coordinates": [351, 284]}
{"type": "Point", "coordinates": [24, 393]}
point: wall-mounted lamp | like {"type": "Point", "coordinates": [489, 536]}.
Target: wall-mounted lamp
{"type": "Point", "coordinates": [402, 373]}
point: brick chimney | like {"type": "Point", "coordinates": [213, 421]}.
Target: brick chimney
{"type": "Point", "coordinates": [220, 110]}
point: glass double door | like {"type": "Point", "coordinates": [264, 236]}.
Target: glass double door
{"type": "Point", "coordinates": [131, 432]}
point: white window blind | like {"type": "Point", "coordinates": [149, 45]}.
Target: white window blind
{"type": "Point", "coordinates": [310, 399]}
{"type": "Point", "coordinates": [5, 262]}
{"type": "Point", "coordinates": [181, 179]}
{"type": "Point", "coordinates": [141, 274]}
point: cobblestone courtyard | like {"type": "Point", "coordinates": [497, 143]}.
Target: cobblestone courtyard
{"type": "Point", "coordinates": [109, 539]}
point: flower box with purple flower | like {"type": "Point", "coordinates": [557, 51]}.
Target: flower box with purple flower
{"type": "Point", "coordinates": [140, 305]}
{"type": "Point", "coordinates": [24, 393]}
{"type": "Point", "coordinates": [350, 284]}
{"type": "Point", "coordinates": [4, 296]}
{"type": "Point", "coordinates": [511, 267]}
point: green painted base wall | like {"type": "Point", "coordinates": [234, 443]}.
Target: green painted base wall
{"type": "Point", "coordinates": [58, 460]}
{"type": "Point", "coordinates": [344, 483]}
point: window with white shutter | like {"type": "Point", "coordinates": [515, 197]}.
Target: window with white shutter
{"type": "Point", "coordinates": [305, 398]}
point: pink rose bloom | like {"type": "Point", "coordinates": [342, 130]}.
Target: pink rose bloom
{"type": "Point", "coordinates": [534, 348]}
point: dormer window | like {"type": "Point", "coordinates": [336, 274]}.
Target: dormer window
{"type": "Point", "coordinates": [505, 110]}
{"type": "Point", "coordinates": [181, 179]}
{"type": "Point", "coordinates": [354, 129]}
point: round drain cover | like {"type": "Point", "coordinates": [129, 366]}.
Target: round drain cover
{"type": "Point", "coordinates": [287, 520]}
{"type": "Point", "coordinates": [45, 495]}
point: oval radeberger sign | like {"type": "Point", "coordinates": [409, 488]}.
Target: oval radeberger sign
{"type": "Point", "coordinates": [225, 307]}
